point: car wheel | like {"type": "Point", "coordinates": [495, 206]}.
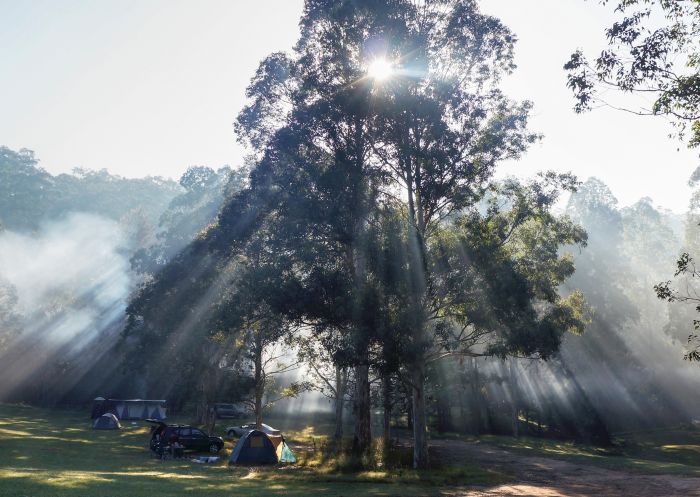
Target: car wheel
{"type": "Point", "coordinates": [214, 448]}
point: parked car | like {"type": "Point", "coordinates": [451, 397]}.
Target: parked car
{"type": "Point", "coordinates": [229, 411]}
{"type": "Point", "coordinates": [239, 431]}
{"type": "Point", "coordinates": [193, 439]}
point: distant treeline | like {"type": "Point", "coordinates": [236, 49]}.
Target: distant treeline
{"type": "Point", "coordinates": [94, 237]}
{"type": "Point", "coordinates": [29, 195]}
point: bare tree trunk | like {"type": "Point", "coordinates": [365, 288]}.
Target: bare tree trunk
{"type": "Point", "coordinates": [477, 417]}
{"type": "Point", "coordinates": [340, 381]}
{"type": "Point", "coordinates": [444, 421]}
{"type": "Point", "coordinates": [211, 420]}
{"type": "Point", "coordinates": [417, 268]}
{"type": "Point", "coordinates": [527, 421]}
{"type": "Point", "coordinates": [386, 394]}
{"type": "Point", "coordinates": [420, 442]}
{"type": "Point", "coordinates": [259, 386]}
{"type": "Point", "coordinates": [362, 438]}
{"type": "Point", "coordinates": [201, 415]}
{"type": "Point", "coordinates": [513, 397]}
{"type": "Point", "coordinates": [203, 404]}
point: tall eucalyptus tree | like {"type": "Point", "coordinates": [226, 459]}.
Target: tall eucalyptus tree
{"type": "Point", "coordinates": [380, 102]}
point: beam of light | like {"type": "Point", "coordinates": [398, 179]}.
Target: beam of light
{"type": "Point", "coordinates": [72, 281]}
{"type": "Point", "coordinates": [380, 69]}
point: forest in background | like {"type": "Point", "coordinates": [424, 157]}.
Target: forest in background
{"type": "Point", "coordinates": [372, 254]}
{"type": "Point", "coordinates": [61, 331]}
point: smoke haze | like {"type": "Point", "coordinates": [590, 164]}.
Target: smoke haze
{"type": "Point", "coordinates": [71, 280]}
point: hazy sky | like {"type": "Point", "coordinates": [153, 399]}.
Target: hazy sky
{"type": "Point", "coordinates": [152, 86]}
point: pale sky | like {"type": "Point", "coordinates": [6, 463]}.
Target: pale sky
{"type": "Point", "coordinates": [150, 87]}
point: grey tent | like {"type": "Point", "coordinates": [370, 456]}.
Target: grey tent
{"type": "Point", "coordinates": [130, 409]}
{"type": "Point", "coordinates": [106, 422]}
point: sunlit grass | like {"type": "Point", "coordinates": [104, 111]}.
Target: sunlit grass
{"type": "Point", "coordinates": [56, 453]}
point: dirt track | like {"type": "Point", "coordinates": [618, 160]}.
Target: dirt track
{"type": "Point", "coordinates": [548, 477]}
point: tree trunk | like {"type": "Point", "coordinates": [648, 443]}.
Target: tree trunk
{"type": "Point", "coordinates": [362, 438]}
{"type": "Point", "coordinates": [417, 270]}
{"type": "Point", "coordinates": [386, 394]}
{"type": "Point", "coordinates": [340, 381]}
{"type": "Point", "coordinates": [444, 423]}
{"type": "Point", "coordinates": [527, 420]}
{"type": "Point", "coordinates": [513, 398]}
{"type": "Point", "coordinates": [259, 386]}
{"type": "Point", "coordinates": [420, 442]}
{"type": "Point", "coordinates": [201, 411]}
{"type": "Point", "coordinates": [203, 404]}
{"type": "Point", "coordinates": [476, 405]}
{"type": "Point", "coordinates": [211, 420]}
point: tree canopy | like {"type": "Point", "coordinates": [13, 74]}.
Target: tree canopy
{"type": "Point", "coordinates": [653, 49]}
{"type": "Point", "coordinates": [372, 217]}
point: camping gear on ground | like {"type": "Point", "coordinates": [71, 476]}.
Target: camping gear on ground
{"type": "Point", "coordinates": [257, 447]}
{"type": "Point", "coordinates": [106, 422]}
{"type": "Point", "coordinates": [129, 408]}
{"type": "Point", "coordinates": [206, 459]}
{"type": "Point", "coordinates": [177, 449]}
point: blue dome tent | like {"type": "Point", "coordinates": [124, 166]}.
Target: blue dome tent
{"type": "Point", "coordinates": [257, 447]}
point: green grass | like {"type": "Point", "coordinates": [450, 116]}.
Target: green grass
{"type": "Point", "coordinates": [56, 453]}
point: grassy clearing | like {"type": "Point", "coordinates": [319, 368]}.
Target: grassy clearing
{"type": "Point", "coordinates": [56, 453]}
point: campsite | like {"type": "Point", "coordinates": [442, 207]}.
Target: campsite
{"type": "Point", "coordinates": [441, 248]}
{"type": "Point", "coordinates": [55, 452]}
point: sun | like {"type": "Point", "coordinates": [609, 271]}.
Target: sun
{"type": "Point", "coordinates": [380, 69]}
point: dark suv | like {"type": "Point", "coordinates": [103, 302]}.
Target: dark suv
{"type": "Point", "coordinates": [191, 438]}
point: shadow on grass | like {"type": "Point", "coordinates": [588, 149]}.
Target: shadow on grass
{"type": "Point", "coordinates": [56, 453]}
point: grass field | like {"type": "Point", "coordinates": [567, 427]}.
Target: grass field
{"type": "Point", "coordinates": [56, 453]}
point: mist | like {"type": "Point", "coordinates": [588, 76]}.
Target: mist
{"type": "Point", "coordinates": [624, 373]}
{"type": "Point", "coordinates": [71, 280]}
{"type": "Point", "coordinates": [66, 285]}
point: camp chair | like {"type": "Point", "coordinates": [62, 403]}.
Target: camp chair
{"type": "Point", "coordinates": [177, 450]}
{"type": "Point", "coordinates": [161, 450]}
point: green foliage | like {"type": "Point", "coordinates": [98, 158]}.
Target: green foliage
{"type": "Point", "coordinates": [686, 272]}
{"type": "Point", "coordinates": [653, 50]}
{"type": "Point", "coordinates": [10, 321]}
{"type": "Point", "coordinates": [189, 213]}
{"type": "Point", "coordinates": [631, 334]}
{"type": "Point", "coordinates": [29, 195]}
{"type": "Point", "coordinates": [372, 217]}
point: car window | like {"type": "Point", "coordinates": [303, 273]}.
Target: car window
{"type": "Point", "coordinates": [198, 433]}
{"type": "Point", "coordinates": [185, 432]}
